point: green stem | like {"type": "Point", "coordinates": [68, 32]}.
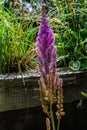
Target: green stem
{"type": "Point", "coordinates": [52, 117]}
{"type": "Point", "coordinates": [58, 124]}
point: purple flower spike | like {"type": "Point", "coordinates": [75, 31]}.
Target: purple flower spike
{"type": "Point", "coordinates": [50, 84]}
{"type": "Point", "coordinates": [45, 48]}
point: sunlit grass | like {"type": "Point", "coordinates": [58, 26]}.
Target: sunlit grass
{"type": "Point", "coordinates": [15, 40]}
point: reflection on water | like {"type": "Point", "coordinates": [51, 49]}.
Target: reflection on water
{"type": "Point", "coordinates": [28, 119]}
{"type": "Point", "coordinates": [34, 119]}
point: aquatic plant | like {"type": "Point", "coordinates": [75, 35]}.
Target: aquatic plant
{"type": "Point", "coordinates": [50, 84]}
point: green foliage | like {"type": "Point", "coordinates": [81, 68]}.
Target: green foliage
{"type": "Point", "coordinates": [84, 94]}
{"type": "Point", "coordinates": [67, 18]}
{"type": "Point", "coordinates": [15, 40]}
{"type": "Point", "coordinates": [69, 22]}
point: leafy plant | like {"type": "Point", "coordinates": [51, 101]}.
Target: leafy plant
{"type": "Point", "coordinates": [15, 40]}
{"type": "Point", "coordinates": [84, 94]}
{"type": "Point", "coordinates": [68, 20]}
{"type": "Point", "coordinates": [70, 27]}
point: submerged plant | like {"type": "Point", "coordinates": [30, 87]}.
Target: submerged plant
{"type": "Point", "coordinates": [50, 84]}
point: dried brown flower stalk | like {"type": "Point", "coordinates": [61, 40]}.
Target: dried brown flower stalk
{"type": "Point", "coordinates": [51, 92]}
{"type": "Point", "coordinates": [48, 124]}
{"type": "Point", "coordinates": [60, 111]}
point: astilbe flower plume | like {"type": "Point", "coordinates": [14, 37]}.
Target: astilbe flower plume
{"type": "Point", "coordinates": [45, 47]}
{"type": "Point", "coordinates": [50, 83]}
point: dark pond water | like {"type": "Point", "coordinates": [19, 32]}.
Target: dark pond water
{"type": "Point", "coordinates": [34, 119]}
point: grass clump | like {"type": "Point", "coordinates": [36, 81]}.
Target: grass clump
{"type": "Point", "coordinates": [16, 40]}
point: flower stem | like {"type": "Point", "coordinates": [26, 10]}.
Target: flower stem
{"type": "Point", "coordinates": [58, 124]}
{"type": "Point", "coordinates": [52, 117]}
